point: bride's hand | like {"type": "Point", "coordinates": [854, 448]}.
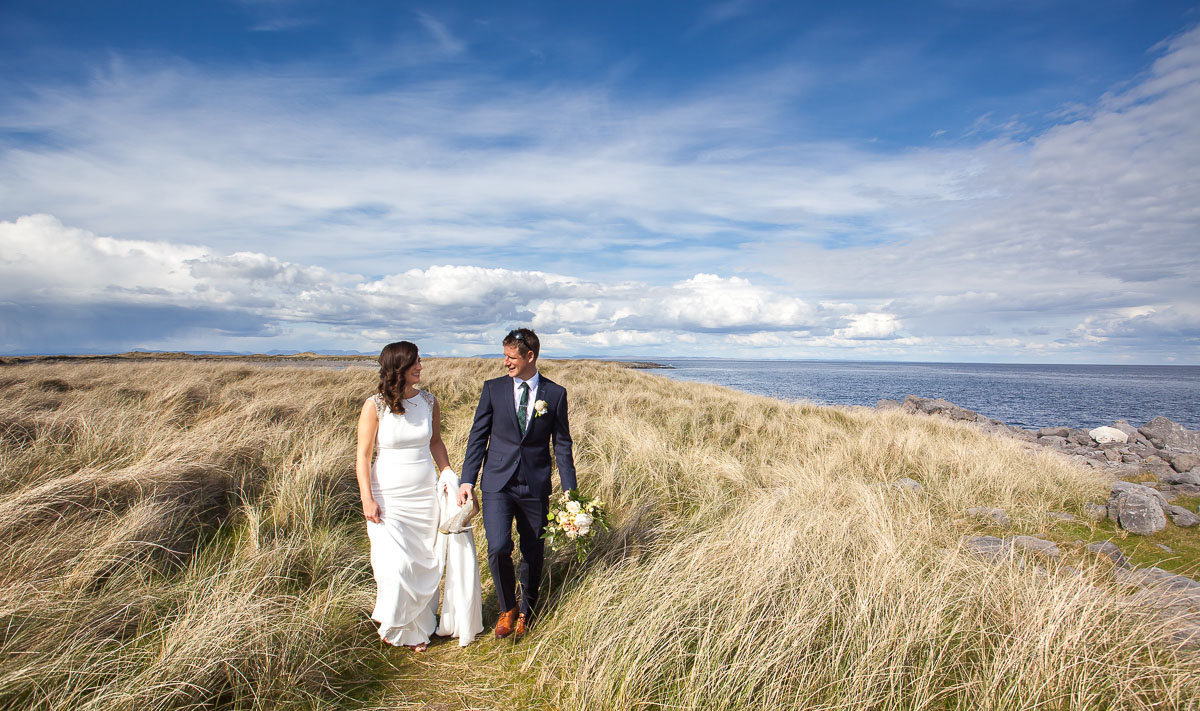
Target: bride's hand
{"type": "Point", "coordinates": [372, 511]}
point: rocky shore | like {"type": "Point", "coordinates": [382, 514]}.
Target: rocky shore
{"type": "Point", "coordinates": [1163, 458]}
{"type": "Point", "coordinates": [1163, 455]}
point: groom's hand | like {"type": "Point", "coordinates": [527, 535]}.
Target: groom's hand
{"type": "Point", "coordinates": [464, 493]}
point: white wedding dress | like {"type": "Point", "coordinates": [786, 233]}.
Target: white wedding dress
{"type": "Point", "coordinates": [408, 553]}
{"type": "Point", "coordinates": [403, 555]}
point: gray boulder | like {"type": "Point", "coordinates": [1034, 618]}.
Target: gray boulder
{"type": "Point", "coordinates": [1109, 550]}
{"type": "Point", "coordinates": [1182, 461]}
{"type": "Point", "coordinates": [1125, 426]}
{"type": "Point", "coordinates": [1128, 487]}
{"type": "Point", "coordinates": [1022, 433]}
{"type": "Point", "coordinates": [990, 548]}
{"type": "Point", "coordinates": [1053, 441]}
{"type": "Point", "coordinates": [1059, 516]}
{"type": "Point", "coordinates": [1081, 438]}
{"type": "Point", "coordinates": [1181, 517]}
{"type": "Point", "coordinates": [990, 515]}
{"type": "Point", "coordinates": [1063, 432]}
{"type": "Point", "coordinates": [1096, 512]}
{"type": "Point", "coordinates": [1163, 589]}
{"type": "Point", "coordinates": [907, 484]}
{"type": "Point", "coordinates": [1136, 508]}
{"type": "Point", "coordinates": [1166, 434]}
{"type": "Point", "coordinates": [939, 406]}
{"type": "Point", "coordinates": [1174, 477]}
{"type": "Point", "coordinates": [1032, 544]}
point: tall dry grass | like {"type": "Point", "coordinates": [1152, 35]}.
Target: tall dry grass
{"type": "Point", "coordinates": [187, 535]}
{"type": "Point", "coordinates": [766, 562]}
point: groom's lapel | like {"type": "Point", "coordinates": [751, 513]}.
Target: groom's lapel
{"type": "Point", "coordinates": [510, 406]}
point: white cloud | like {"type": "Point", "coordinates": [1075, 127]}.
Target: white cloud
{"type": "Point", "coordinates": [297, 202]}
{"type": "Point", "coordinates": [870, 325]}
{"type": "Point", "coordinates": [51, 266]}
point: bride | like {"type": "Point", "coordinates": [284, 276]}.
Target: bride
{"type": "Point", "coordinates": [401, 504]}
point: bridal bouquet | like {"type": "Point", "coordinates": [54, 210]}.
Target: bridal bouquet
{"type": "Point", "coordinates": [573, 522]}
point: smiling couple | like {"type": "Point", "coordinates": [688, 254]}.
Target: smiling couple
{"type": "Point", "coordinates": [519, 417]}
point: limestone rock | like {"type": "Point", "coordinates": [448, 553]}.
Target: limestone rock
{"type": "Point", "coordinates": [1036, 545]}
{"type": "Point", "coordinates": [1104, 435]}
{"type": "Point", "coordinates": [1022, 433]}
{"type": "Point", "coordinates": [940, 406]}
{"type": "Point", "coordinates": [1138, 509]}
{"type": "Point", "coordinates": [1059, 516]}
{"type": "Point", "coordinates": [1181, 517]}
{"type": "Point", "coordinates": [991, 548]}
{"type": "Point", "coordinates": [1174, 477]}
{"type": "Point", "coordinates": [1129, 487]}
{"type": "Point", "coordinates": [1182, 461]}
{"type": "Point", "coordinates": [1052, 441]}
{"type": "Point", "coordinates": [1063, 432]}
{"type": "Point", "coordinates": [1123, 425]}
{"type": "Point", "coordinates": [991, 515]}
{"type": "Point", "coordinates": [1096, 512]}
{"type": "Point", "coordinates": [1166, 434]}
{"type": "Point", "coordinates": [1081, 438]}
{"type": "Point", "coordinates": [1163, 588]}
{"type": "Point", "coordinates": [1109, 550]}
{"type": "Point", "coordinates": [907, 484]}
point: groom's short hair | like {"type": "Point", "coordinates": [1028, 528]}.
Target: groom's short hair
{"type": "Point", "coordinates": [525, 340]}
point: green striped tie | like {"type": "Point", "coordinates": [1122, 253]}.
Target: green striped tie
{"type": "Point", "coordinates": [523, 408]}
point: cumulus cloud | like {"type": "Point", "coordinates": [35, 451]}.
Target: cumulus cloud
{"type": "Point", "coordinates": [65, 277]}
{"type": "Point", "coordinates": [296, 203]}
{"type": "Point", "coordinates": [1067, 237]}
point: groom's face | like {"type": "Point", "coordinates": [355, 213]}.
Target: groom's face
{"type": "Point", "coordinates": [517, 365]}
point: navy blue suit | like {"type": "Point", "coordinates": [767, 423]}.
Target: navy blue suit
{"type": "Point", "coordinates": [515, 480]}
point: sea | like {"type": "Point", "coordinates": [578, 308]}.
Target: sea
{"type": "Point", "coordinates": [1024, 395]}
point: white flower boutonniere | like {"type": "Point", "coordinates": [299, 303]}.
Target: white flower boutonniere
{"type": "Point", "coordinates": [539, 408]}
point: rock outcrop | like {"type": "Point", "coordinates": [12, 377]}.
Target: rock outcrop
{"type": "Point", "coordinates": [1163, 448]}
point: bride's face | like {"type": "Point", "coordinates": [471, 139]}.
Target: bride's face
{"type": "Point", "coordinates": [413, 376]}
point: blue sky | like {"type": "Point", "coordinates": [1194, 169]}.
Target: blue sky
{"type": "Point", "coordinates": [952, 180]}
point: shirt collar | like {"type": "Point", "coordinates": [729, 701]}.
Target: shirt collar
{"type": "Point", "coordinates": [533, 381]}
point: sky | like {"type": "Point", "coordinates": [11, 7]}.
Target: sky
{"type": "Point", "coordinates": [945, 180]}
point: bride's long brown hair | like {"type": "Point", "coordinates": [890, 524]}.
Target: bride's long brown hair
{"type": "Point", "coordinates": [394, 361]}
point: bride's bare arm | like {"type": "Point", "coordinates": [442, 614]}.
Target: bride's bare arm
{"type": "Point", "coordinates": [437, 447]}
{"type": "Point", "coordinates": [368, 426]}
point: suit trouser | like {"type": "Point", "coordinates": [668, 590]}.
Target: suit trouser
{"type": "Point", "coordinates": [515, 501]}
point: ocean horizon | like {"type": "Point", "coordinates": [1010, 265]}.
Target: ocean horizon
{"type": "Point", "coordinates": [1021, 394]}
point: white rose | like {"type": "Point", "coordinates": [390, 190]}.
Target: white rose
{"type": "Point", "coordinates": [572, 534]}
{"type": "Point", "coordinates": [540, 407]}
{"type": "Point", "coordinates": [573, 507]}
{"type": "Point", "coordinates": [584, 530]}
{"type": "Point", "coordinates": [583, 520]}
{"type": "Point", "coordinates": [563, 517]}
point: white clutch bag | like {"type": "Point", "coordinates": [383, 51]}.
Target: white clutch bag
{"type": "Point", "coordinates": [452, 517]}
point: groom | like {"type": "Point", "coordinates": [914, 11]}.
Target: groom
{"type": "Point", "coordinates": [516, 420]}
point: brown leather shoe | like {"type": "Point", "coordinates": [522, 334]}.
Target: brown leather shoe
{"type": "Point", "coordinates": [504, 625]}
{"type": "Point", "coordinates": [520, 628]}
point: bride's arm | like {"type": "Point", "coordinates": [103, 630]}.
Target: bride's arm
{"type": "Point", "coordinates": [437, 447]}
{"type": "Point", "coordinates": [368, 426]}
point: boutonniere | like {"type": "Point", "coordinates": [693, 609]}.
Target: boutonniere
{"type": "Point", "coordinates": [539, 408]}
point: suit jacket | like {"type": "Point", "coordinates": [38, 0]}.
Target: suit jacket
{"type": "Point", "coordinates": [496, 443]}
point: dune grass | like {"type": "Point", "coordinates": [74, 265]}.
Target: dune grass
{"type": "Point", "coordinates": [187, 535]}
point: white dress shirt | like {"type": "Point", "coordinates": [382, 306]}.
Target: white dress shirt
{"type": "Point", "coordinates": [533, 388]}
